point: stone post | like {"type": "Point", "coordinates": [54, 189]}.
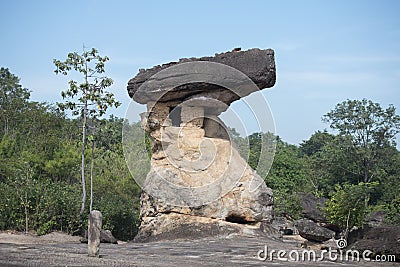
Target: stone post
{"type": "Point", "coordinates": [94, 230]}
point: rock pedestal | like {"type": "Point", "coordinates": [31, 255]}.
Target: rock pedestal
{"type": "Point", "coordinates": [94, 230]}
{"type": "Point", "coordinates": [198, 184]}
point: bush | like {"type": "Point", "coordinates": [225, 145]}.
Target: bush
{"type": "Point", "coordinates": [40, 204]}
{"type": "Point", "coordinates": [347, 205]}
{"type": "Point", "coordinates": [287, 205]}
{"type": "Point", "coordinates": [393, 211]}
{"type": "Point", "coordinates": [120, 215]}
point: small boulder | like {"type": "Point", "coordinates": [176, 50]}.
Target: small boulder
{"type": "Point", "coordinates": [284, 226]}
{"type": "Point", "coordinates": [312, 207]}
{"type": "Point", "coordinates": [381, 240]}
{"type": "Point", "coordinates": [312, 231]}
{"type": "Point", "coordinates": [105, 237]}
{"type": "Point", "coordinates": [376, 218]}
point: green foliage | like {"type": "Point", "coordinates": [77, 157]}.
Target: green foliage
{"type": "Point", "coordinates": [109, 132]}
{"type": "Point", "coordinates": [393, 211]}
{"type": "Point", "coordinates": [59, 206]}
{"type": "Point", "coordinates": [333, 164]}
{"type": "Point", "coordinates": [13, 100]}
{"type": "Point", "coordinates": [111, 175]}
{"type": "Point", "coordinates": [288, 170]}
{"type": "Point", "coordinates": [65, 163]}
{"type": "Point", "coordinates": [49, 205]}
{"type": "Point", "coordinates": [367, 122]}
{"type": "Point", "coordinates": [316, 143]}
{"type": "Point", "coordinates": [39, 170]}
{"type": "Point", "coordinates": [387, 174]}
{"type": "Point", "coordinates": [93, 99]}
{"type": "Point", "coordinates": [287, 177]}
{"type": "Point", "coordinates": [40, 160]}
{"type": "Point", "coordinates": [8, 150]}
{"type": "Point", "coordinates": [370, 128]}
{"type": "Point", "coordinates": [347, 206]}
{"type": "Point", "coordinates": [364, 151]}
{"type": "Point", "coordinates": [53, 194]}
{"type": "Point", "coordinates": [120, 214]}
{"type": "Point", "coordinates": [89, 99]}
{"type": "Point", "coordinates": [255, 144]}
{"type": "Point", "coordinates": [287, 204]}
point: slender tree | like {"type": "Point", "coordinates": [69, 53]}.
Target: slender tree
{"type": "Point", "coordinates": [88, 99]}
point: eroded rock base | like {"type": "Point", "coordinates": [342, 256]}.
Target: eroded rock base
{"type": "Point", "coordinates": [200, 186]}
{"type": "Point", "coordinates": [179, 226]}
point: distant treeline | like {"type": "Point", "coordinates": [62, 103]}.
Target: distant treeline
{"type": "Point", "coordinates": [40, 167]}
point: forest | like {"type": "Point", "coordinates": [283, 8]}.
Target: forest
{"type": "Point", "coordinates": [356, 166]}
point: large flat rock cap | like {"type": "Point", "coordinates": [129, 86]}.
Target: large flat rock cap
{"type": "Point", "coordinates": [257, 64]}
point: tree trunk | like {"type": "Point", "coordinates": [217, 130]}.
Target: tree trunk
{"type": "Point", "coordinates": [27, 177]}
{"type": "Point", "coordinates": [6, 126]}
{"type": "Point", "coordinates": [91, 174]}
{"type": "Point", "coordinates": [366, 180]}
{"type": "Point", "coordinates": [84, 118]}
{"type": "Point", "coordinates": [366, 174]}
{"type": "Point", "coordinates": [83, 159]}
{"type": "Point", "coordinates": [26, 211]}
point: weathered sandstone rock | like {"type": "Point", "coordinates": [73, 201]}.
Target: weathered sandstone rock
{"type": "Point", "coordinates": [198, 183]}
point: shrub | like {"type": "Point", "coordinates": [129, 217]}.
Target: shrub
{"type": "Point", "coordinates": [347, 206]}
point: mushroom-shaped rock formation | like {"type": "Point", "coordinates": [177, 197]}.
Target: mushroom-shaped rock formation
{"type": "Point", "coordinates": [198, 184]}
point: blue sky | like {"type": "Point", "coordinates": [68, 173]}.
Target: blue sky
{"type": "Point", "coordinates": [326, 51]}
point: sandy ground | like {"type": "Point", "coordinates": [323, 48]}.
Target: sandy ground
{"type": "Point", "coordinates": [59, 249]}
{"type": "Point", "coordinates": [22, 238]}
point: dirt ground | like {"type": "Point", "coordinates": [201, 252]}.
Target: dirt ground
{"type": "Point", "coordinates": [22, 238]}
{"type": "Point", "coordinates": [59, 249]}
